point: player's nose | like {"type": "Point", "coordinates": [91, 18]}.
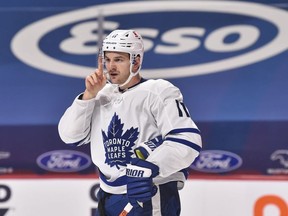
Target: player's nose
{"type": "Point", "coordinates": [112, 65]}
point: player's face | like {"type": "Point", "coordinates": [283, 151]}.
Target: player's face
{"type": "Point", "coordinates": [118, 66]}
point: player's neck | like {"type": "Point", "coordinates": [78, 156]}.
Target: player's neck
{"type": "Point", "coordinates": [134, 81]}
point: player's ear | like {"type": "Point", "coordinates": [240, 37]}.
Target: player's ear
{"type": "Point", "coordinates": [136, 63]}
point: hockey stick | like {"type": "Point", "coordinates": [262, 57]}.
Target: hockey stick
{"type": "Point", "coordinates": [100, 31]}
{"type": "Point", "coordinates": [126, 210]}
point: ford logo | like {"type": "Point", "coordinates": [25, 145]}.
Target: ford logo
{"type": "Point", "coordinates": [216, 161]}
{"type": "Point", "coordinates": [189, 47]}
{"type": "Point", "coordinates": [64, 161]}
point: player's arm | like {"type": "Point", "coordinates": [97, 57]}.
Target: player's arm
{"type": "Point", "coordinates": [182, 139]}
{"type": "Point", "coordinates": [74, 126]}
{"type": "Point", "coordinates": [181, 145]}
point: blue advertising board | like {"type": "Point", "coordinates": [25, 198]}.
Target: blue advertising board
{"type": "Point", "coordinates": [229, 58]}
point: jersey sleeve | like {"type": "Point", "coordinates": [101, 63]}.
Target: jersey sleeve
{"type": "Point", "coordinates": [74, 125]}
{"type": "Point", "coordinates": [182, 139]}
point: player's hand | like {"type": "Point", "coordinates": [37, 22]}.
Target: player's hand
{"type": "Point", "coordinates": [94, 82]}
{"type": "Point", "coordinates": [140, 185]}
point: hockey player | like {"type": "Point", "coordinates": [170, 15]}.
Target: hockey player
{"type": "Point", "coordinates": [118, 112]}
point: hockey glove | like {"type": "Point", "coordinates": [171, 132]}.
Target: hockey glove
{"type": "Point", "coordinates": [139, 180]}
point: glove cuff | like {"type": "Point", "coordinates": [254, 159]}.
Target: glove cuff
{"type": "Point", "coordinates": [146, 148]}
{"type": "Point", "coordinates": [146, 164]}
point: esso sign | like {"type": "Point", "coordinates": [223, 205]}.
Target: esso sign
{"type": "Point", "coordinates": [183, 39]}
{"type": "Point", "coordinates": [172, 46]}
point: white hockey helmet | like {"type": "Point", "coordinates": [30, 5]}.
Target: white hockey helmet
{"type": "Point", "coordinates": [127, 41]}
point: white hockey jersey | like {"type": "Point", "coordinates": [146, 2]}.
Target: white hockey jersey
{"type": "Point", "coordinates": [116, 122]}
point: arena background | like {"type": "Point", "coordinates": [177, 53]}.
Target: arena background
{"type": "Point", "coordinates": [229, 58]}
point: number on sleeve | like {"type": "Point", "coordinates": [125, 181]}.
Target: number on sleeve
{"type": "Point", "coordinates": [182, 108]}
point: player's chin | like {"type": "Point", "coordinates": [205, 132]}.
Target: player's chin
{"type": "Point", "coordinates": [114, 80]}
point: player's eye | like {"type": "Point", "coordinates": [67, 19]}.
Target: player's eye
{"type": "Point", "coordinates": [118, 60]}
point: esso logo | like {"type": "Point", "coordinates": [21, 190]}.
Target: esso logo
{"type": "Point", "coordinates": [179, 36]}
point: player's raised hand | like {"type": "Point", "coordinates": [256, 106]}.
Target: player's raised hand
{"type": "Point", "coordinates": [95, 81]}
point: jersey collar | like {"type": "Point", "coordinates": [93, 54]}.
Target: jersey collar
{"type": "Point", "coordinates": [124, 90]}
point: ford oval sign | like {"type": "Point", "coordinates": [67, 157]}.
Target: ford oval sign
{"type": "Point", "coordinates": [216, 161]}
{"type": "Point", "coordinates": [64, 161]}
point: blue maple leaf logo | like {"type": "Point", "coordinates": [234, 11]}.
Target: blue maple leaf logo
{"type": "Point", "coordinates": [118, 146]}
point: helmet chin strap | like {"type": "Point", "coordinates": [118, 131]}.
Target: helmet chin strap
{"type": "Point", "coordinates": [131, 75]}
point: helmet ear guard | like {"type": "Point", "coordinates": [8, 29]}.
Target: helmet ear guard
{"type": "Point", "coordinates": [133, 59]}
